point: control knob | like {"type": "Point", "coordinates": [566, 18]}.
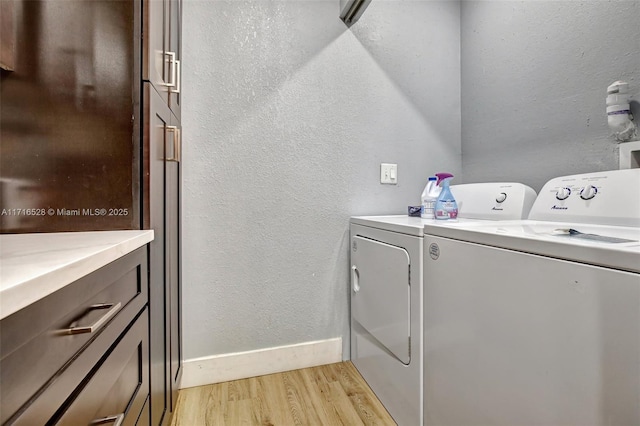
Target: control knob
{"type": "Point", "coordinates": [588, 192]}
{"type": "Point", "coordinates": [501, 197]}
{"type": "Point", "coordinates": [563, 193]}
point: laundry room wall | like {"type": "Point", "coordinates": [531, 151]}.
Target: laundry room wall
{"type": "Point", "coordinates": [534, 80]}
{"type": "Point", "coordinates": [287, 115]}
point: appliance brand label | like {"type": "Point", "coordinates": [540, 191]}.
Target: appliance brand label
{"type": "Point", "coordinates": [559, 207]}
{"type": "Point", "coordinates": [434, 251]}
{"type": "Point", "coordinates": [497, 208]}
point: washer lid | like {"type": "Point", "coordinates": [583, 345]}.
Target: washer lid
{"type": "Point", "coordinates": [604, 245]}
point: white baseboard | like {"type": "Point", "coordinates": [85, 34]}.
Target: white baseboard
{"type": "Point", "coordinates": [240, 365]}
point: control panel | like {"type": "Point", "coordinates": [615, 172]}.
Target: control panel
{"type": "Point", "coordinates": [604, 198]}
{"type": "Point", "coordinates": [493, 201]}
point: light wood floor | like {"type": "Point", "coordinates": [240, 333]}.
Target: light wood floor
{"type": "Point", "coordinates": [333, 394]}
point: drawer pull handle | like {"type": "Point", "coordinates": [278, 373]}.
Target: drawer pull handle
{"type": "Point", "coordinates": [172, 71]}
{"type": "Point", "coordinates": [177, 89]}
{"type": "Point", "coordinates": [176, 144]}
{"type": "Point", "coordinates": [116, 420]}
{"type": "Point", "coordinates": [171, 59]}
{"type": "Point", "coordinates": [100, 322]}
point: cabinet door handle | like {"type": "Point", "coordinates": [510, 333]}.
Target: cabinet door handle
{"type": "Point", "coordinates": [172, 69]}
{"type": "Point", "coordinates": [177, 81]}
{"type": "Point", "coordinates": [176, 144]}
{"type": "Point", "coordinates": [116, 420]}
{"type": "Point", "coordinates": [113, 309]}
{"type": "Point", "coordinates": [355, 278]}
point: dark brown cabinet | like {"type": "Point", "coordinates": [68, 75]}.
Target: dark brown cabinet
{"type": "Point", "coordinates": [162, 151]}
{"type": "Point", "coordinates": [69, 127]}
{"type": "Point", "coordinates": [162, 142]}
{"type": "Point", "coordinates": [162, 172]}
{"type": "Point", "coordinates": [51, 375]}
{"type": "Point", "coordinates": [90, 139]}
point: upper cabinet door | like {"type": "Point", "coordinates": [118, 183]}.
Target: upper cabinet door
{"type": "Point", "coordinates": [161, 51]}
{"type": "Point", "coordinates": [154, 47]}
{"type": "Point", "coordinates": [175, 47]}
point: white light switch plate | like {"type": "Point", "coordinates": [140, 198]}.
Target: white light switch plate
{"type": "Point", "coordinates": [389, 173]}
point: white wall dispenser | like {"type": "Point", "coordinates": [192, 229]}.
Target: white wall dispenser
{"type": "Point", "coordinates": [619, 114]}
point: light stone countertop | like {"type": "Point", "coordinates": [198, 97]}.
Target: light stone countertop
{"type": "Point", "coordinates": [33, 266]}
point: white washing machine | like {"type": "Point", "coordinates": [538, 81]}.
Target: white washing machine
{"type": "Point", "coordinates": [537, 322]}
{"type": "Point", "coordinates": [386, 291]}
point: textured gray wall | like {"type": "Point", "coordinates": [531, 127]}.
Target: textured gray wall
{"type": "Point", "coordinates": [287, 116]}
{"type": "Point", "coordinates": [534, 79]}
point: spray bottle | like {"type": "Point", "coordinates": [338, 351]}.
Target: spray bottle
{"type": "Point", "coordinates": [429, 198]}
{"type": "Point", "coordinates": [446, 206]}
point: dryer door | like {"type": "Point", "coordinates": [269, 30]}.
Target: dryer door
{"type": "Point", "coordinates": [380, 293]}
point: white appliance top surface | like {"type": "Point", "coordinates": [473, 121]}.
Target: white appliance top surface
{"type": "Point", "coordinates": [592, 244]}
{"type": "Point", "coordinates": [32, 266]}
{"type": "Point", "coordinates": [477, 202]}
{"type": "Point", "coordinates": [408, 225]}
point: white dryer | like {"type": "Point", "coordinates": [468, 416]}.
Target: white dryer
{"type": "Point", "coordinates": [386, 291]}
{"type": "Point", "coordinates": [537, 322]}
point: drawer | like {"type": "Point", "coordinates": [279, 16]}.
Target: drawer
{"type": "Point", "coordinates": [38, 342]}
{"type": "Point", "coordinates": [109, 378]}
{"type": "Point", "coordinates": [117, 391]}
